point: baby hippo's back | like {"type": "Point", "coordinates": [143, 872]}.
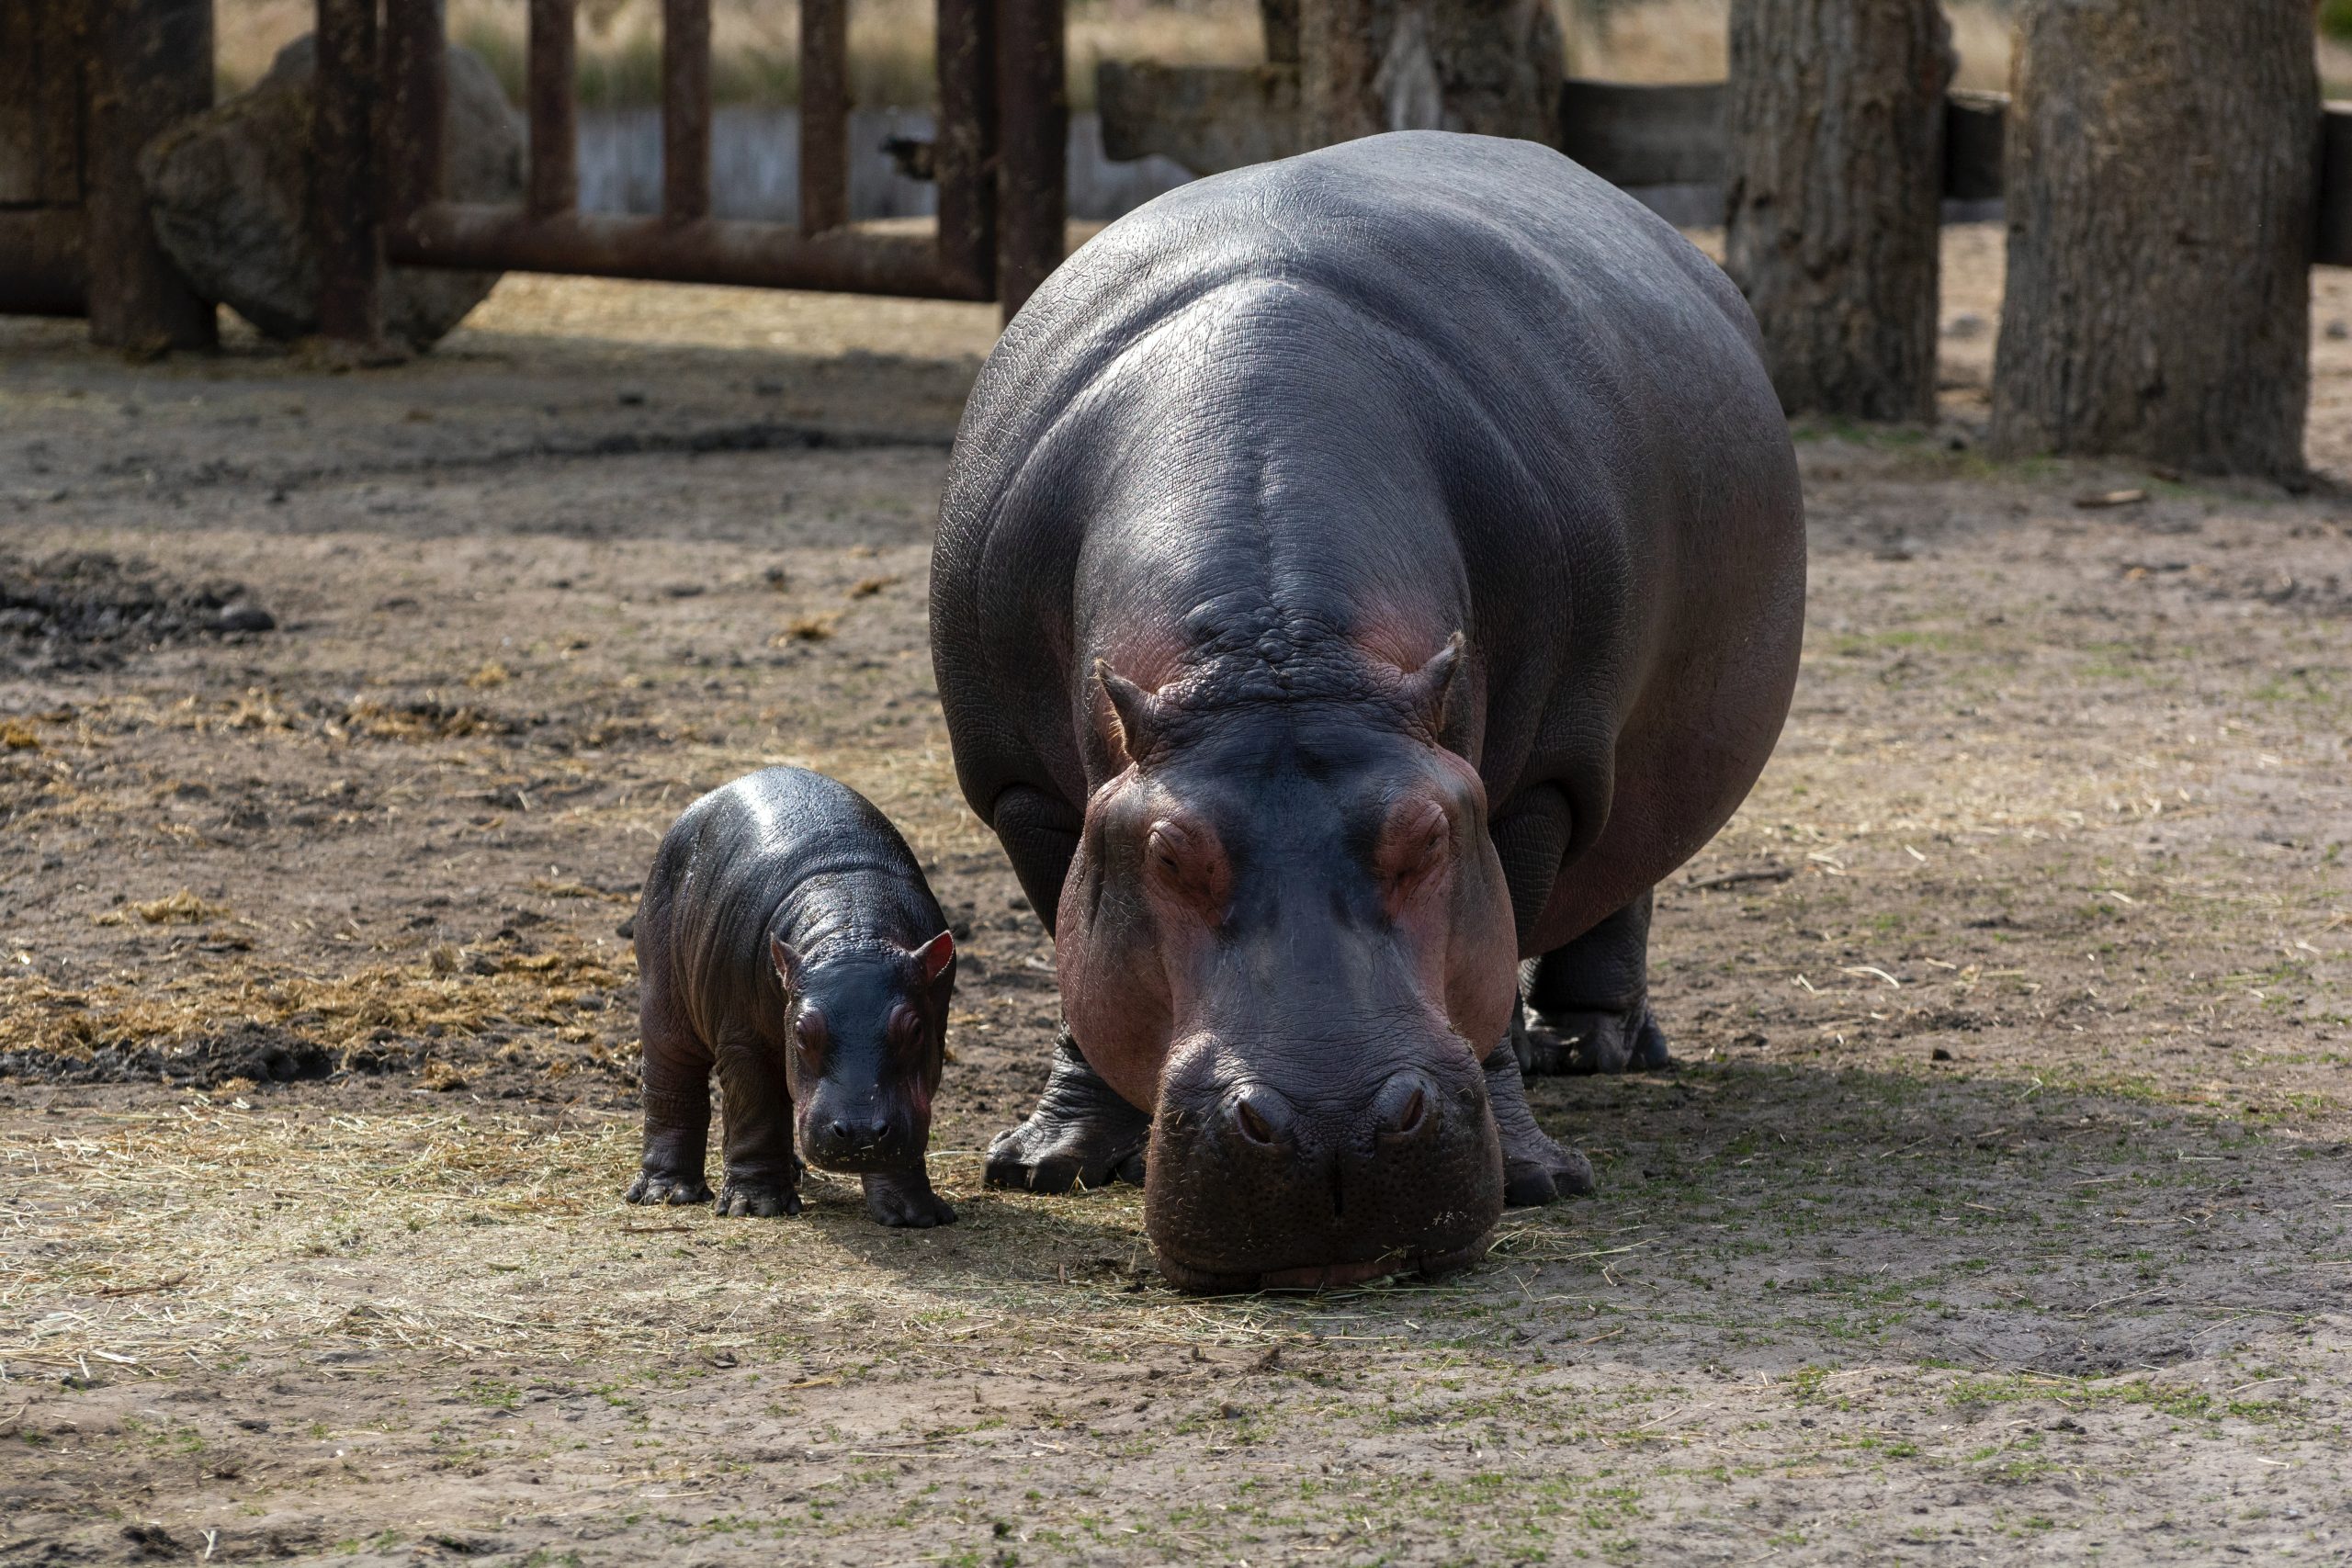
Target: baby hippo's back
{"type": "Point", "coordinates": [784, 849]}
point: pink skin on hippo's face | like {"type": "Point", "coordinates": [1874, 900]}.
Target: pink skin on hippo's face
{"type": "Point", "coordinates": [1286, 931]}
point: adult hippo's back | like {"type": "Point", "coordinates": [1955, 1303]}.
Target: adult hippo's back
{"type": "Point", "coordinates": [1358, 573]}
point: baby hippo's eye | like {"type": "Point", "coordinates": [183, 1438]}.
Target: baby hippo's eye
{"type": "Point", "coordinates": [905, 1027]}
{"type": "Point", "coordinates": [809, 1030]}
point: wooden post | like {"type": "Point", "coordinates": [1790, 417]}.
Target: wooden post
{"type": "Point", "coordinates": [152, 66]}
{"type": "Point", "coordinates": [1033, 147]}
{"type": "Point", "coordinates": [343, 176]}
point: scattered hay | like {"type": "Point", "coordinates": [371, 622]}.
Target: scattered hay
{"type": "Point", "coordinates": [180, 909]}
{"type": "Point", "coordinates": [358, 1022]}
{"type": "Point", "coordinates": [490, 675]}
{"type": "Point", "coordinates": [806, 628]}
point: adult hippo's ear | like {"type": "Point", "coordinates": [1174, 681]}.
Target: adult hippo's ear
{"type": "Point", "coordinates": [1137, 713]}
{"type": "Point", "coordinates": [1427, 692]}
{"type": "Point", "coordinates": [788, 965]}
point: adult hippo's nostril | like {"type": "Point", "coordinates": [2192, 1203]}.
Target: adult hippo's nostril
{"type": "Point", "coordinates": [1262, 1118]}
{"type": "Point", "coordinates": [1401, 1114]}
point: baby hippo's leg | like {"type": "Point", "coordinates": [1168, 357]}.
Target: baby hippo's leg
{"type": "Point", "coordinates": [676, 1075]}
{"type": "Point", "coordinates": [905, 1198]}
{"type": "Point", "coordinates": [762, 1173]}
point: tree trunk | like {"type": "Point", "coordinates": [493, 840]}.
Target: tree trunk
{"type": "Point", "coordinates": [1489, 66]}
{"type": "Point", "coordinates": [2159, 182]}
{"type": "Point", "coordinates": [1835, 123]}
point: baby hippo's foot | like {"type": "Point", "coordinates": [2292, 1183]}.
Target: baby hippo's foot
{"type": "Point", "coordinates": [757, 1197]}
{"type": "Point", "coordinates": [1535, 1169]}
{"type": "Point", "coordinates": [1082, 1133]}
{"type": "Point", "coordinates": [1597, 1040]}
{"type": "Point", "coordinates": [678, 1187]}
{"type": "Point", "coordinates": [905, 1198]}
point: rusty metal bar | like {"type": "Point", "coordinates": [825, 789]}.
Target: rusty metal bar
{"type": "Point", "coordinates": [824, 114]}
{"type": "Point", "coordinates": [344, 192]}
{"type": "Point", "coordinates": [416, 90]}
{"type": "Point", "coordinates": [43, 269]}
{"type": "Point", "coordinates": [152, 65]}
{"type": "Point", "coordinates": [964, 143]}
{"type": "Point", "coordinates": [1033, 132]}
{"type": "Point", "coordinates": [599, 245]}
{"type": "Point", "coordinates": [555, 135]}
{"type": "Point", "coordinates": [685, 109]}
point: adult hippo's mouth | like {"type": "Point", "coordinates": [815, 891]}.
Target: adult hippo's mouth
{"type": "Point", "coordinates": [1320, 1276]}
{"type": "Point", "coordinates": [1251, 1188]}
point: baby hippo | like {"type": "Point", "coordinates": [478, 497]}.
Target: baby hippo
{"type": "Point", "coordinates": [787, 938]}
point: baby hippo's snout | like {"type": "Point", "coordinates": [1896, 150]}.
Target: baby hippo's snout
{"type": "Point", "coordinates": [1260, 1179]}
{"type": "Point", "coordinates": [852, 1133]}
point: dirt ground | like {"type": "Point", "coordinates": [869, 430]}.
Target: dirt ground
{"type": "Point", "coordinates": [1997, 1212]}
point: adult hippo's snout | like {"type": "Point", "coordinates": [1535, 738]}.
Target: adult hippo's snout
{"type": "Point", "coordinates": [1254, 1186]}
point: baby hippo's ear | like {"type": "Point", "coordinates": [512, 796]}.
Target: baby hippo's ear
{"type": "Point", "coordinates": [938, 957]}
{"type": "Point", "coordinates": [787, 964]}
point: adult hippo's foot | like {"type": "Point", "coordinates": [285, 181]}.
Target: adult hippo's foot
{"type": "Point", "coordinates": [668, 1187]}
{"type": "Point", "coordinates": [1590, 999]}
{"type": "Point", "coordinates": [1535, 1169]}
{"type": "Point", "coordinates": [1082, 1133]}
{"type": "Point", "coordinates": [1597, 1040]}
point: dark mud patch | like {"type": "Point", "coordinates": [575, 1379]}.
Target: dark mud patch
{"type": "Point", "coordinates": [257, 1052]}
{"type": "Point", "coordinates": [87, 610]}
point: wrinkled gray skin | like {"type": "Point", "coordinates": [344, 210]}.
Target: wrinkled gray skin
{"type": "Point", "coordinates": [1227, 494]}
{"type": "Point", "coordinates": [786, 938]}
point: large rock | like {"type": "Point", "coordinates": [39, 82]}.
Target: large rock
{"type": "Point", "coordinates": [229, 193]}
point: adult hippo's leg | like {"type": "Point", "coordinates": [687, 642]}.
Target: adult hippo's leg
{"type": "Point", "coordinates": [1591, 1000]}
{"type": "Point", "coordinates": [1535, 1169]}
{"type": "Point", "coordinates": [1082, 1133]}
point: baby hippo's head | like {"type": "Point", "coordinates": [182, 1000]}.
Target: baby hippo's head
{"type": "Point", "coordinates": [869, 1034]}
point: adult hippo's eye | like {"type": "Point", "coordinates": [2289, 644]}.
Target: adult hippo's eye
{"type": "Point", "coordinates": [1189, 863]}
{"type": "Point", "coordinates": [1415, 847]}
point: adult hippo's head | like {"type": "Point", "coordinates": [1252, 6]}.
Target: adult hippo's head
{"type": "Point", "coordinates": [1287, 930]}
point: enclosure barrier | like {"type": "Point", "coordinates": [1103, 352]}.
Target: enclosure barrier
{"type": "Point", "coordinates": [999, 158]}
{"type": "Point", "coordinates": [1001, 174]}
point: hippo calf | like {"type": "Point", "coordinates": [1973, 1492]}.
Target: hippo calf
{"type": "Point", "coordinates": [786, 938]}
{"type": "Point", "coordinates": [1356, 574]}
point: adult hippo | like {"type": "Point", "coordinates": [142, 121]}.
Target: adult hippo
{"type": "Point", "coordinates": [1356, 573]}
